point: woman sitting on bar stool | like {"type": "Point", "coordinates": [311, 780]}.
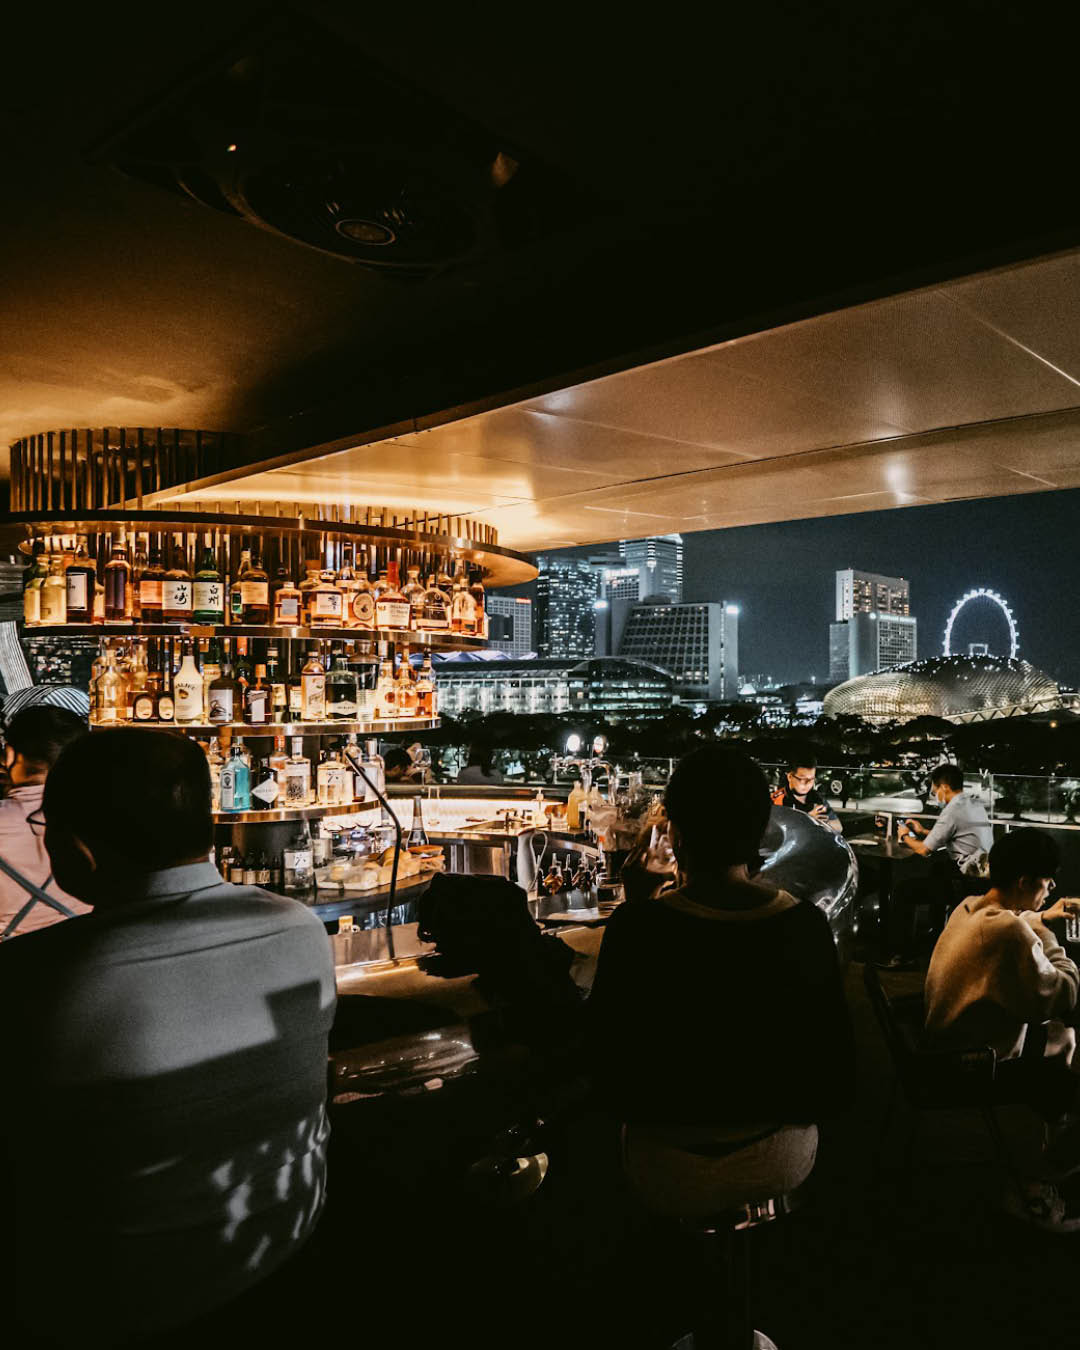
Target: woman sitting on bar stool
{"type": "Point", "coordinates": [720, 1033]}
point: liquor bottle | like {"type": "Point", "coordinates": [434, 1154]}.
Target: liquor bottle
{"type": "Point", "coordinates": [288, 602]}
{"type": "Point", "coordinates": [176, 588]}
{"type": "Point", "coordinates": [111, 692]}
{"type": "Point", "coordinates": [405, 687]}
{"type": "Point", "coordinates": [265, 795]}
{"type": "Point", "coordinates": [278, 760]}
{"type": "Point", "coordinates": [462, 607]}
{"type": "Point", "coordinates": [313, 689]}
{"type": "Point", "coordinates": [278, 693]}
{"type": "Point", "coordinates": [81, 574]}
{"type": "Point", "coordinates": [296, 699]}
{"type": "Point", "coordinates": [325, 603]}
{"type": "Point", "coordinates": [151, 588]}
{"type": "Point", "coordinates": [363, 601]}
{"type": "Point", "coordinates": [479, 596]}
{"type": "Point", "coordinates": [215, 761]}
{"type": "Point", "coordinates": [385, 702]}
{"type": "Point", "coordinates": [417, 835]}
{"type": "Point", "coordinates": [208, 589]}
{"type": "Point", "coordinates": [297, 775]}
{"type": "Point", "coordinates": [164, 701]}
{"type": "Point", "coordinates": [188, 687]}
{"type": "Point", "coordinates": [413, 591]}
{"type": "Point", "coordinates": [392, 610]}
{"type": "Point", "coordinates": [224, 699]}
{"type": "Point", "coordinates": [118, 584]}
{"type": "Point", "coordinates": [374, 766]}
{"type": "Point", "coordinates": [54, 592]}
{"type": "Point", "coordinates": [331, 781]}
{"type": "Point", "coordinates": [236, 869]}
{"type": "Point", "coordinates": [436, 612]}
{"type": "Point", "coordinates": [425, 689]}
{"type": "Point", "coordinates": [250, 871]}
{"type": "Point", "coordinates": [348, 585]}
{"type": "Point", "coordinates": [262, 869]}
{"type": "Point", "coordinates": [366, 669]}
{"type": "Point", "coordinates": [257, 699]}
{"type": "Point", "coordinates": [139, 563]}
{"type": "Point", "coordinates": [141, 696]}
{"type": "Point", "coordinates": [313, 568]}
{"type": "Point", "coordinates": [255, 593]}
{"type": "Point", "coordinates": [242, 669]}
{"type": "Point", "coordinates": [340, 690]}
{"type": "Point", "coordinates": [35, 580]}
{"type": "Point", "coordinates": [236, 781]}
{"type": "Point", "coordinates": [298, 868]}
{"type": "Point", "coordinates": [210, 665]}
{"type": "Point", "coordinates": [99, 601]}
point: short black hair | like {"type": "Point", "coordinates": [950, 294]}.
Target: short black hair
{"type": "Point", "coordinates": [1023, 853]}
{"type": "Point", "coordinates": [949, 775]}
{"type": "Point", "coordinates": [143, 796]}
{"type": "Point", "coordinates": [396, 758]}
{"type": "Point", "coordinates": [719, 799]}
{"type": "Point", "coordinates": [801, 757]}
{"type": "Point", "coordinates": [39, 733]}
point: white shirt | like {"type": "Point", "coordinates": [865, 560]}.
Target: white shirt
{"type": "Point", "coordinates": [962, 829]}
{"type": "Point", "coordinates": [22, 844]}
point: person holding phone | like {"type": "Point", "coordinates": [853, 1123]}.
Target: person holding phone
{"type": "Point", "coordinates": [800, 792]}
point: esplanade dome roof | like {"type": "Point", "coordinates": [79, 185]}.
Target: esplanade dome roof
{"type": "Point", "coordinates": [959, 688]}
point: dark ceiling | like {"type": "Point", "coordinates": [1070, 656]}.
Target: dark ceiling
{"type": "Point", "coordinates": [678, 181]}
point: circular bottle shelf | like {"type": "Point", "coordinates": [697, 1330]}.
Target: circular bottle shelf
{"type": "Point", "coordinates": [276, 814]}
{"type": "Point", "coordinates": [452, 642]}
{"type": "Point", "coordinates": [335, 728]}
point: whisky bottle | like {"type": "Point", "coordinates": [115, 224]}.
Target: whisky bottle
{"type": "Point", "coordinates": [392, 610]}
{"type": "Point", "coordinates": [223, 697]}
{"type": "Point", "coordinates": [462, 607]}
{"type": "Point", "coordinates": [385, 692]}
{"type": "Point", "coordinates": [405, 687]}
{"type": "Point", "coordinates": [188, 687]}
{"type": "Point", "coordinates": [139, 564]}
{"type": "Point", "coordinates": [151, 588]}
{"type": "Point", "coordinates": [425, 689]}
{"type": "Point", "coordinates": [363, 603]}
{"type": "Point", "coordinates": [340, 690]}
{"type": "Point", "coordinates": [208, 589]}
{"type": "Point", "coordinates": [110, 696]}
{"type": "Point", "coordinates": [176, 588]}
{"type": "Point", "coordinates": [276, 681]}
{"type": "Point", "coordinates": [266, 794]}
{"type": "Point", "coordinates": [257, 699]}
{"type": "Point", "coordinates": [80, 576]}
{"type": "Point", "coordinates": [255, 593]}
{"type": "Point", "coordinates": [479, 596]}
{"type": "Point", "coordinates": [313, 689]}
{"type": "Point", "coordinates": [288, 602]}
{"type": "Point", "coordinates": [118, 584]}
{"type": "Point", "coordinates": [164, 702]}
{"type": "Point", "coordinates": [331, 781]}
{"type": "Point", "coordinates": [325, 603]}
{"type": "Point", "coordinates": [297, 775]}
{"type": "Point", "coordinates": [413, 591]}
{"type": "Point", "coordinates": [35, 579]}
{"type": "Point", "coordinates": [348, 585]}
{"type": "Point", "coordinates": [141, 697]}
{"type": "Point", "coordinates": [436, 612]}
{"type": "Point", "coordinates": [54, 593]}
{"type": "Point", "coordinates": [313, 567]}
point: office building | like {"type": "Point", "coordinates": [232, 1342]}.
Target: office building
{"type": "Point", "coordinates": [510, 624]}
{"type": "Point", "coordinates": [870, 593]}
{"type": "Point", "coordinates": [874, 628]}
{"type": "Point", "coordinates": [658, 562]}
{"type": "Point", "coordinates": [609, 687]}
{"type": "Point", "coordinates": [697, 644]}
{"type": "Point", "coordinates": [565, 611]}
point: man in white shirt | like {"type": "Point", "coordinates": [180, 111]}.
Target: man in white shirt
{"type": "Point", "coordinates": [33, 740]}
{"type": "Point", "coordinates": [963, 829]}
{"type": "Point", "coordinates": [998, 976]}
{"type": "Point", "coordinates": [163, 1059]}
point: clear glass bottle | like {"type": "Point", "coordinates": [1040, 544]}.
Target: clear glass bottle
{"type": "Point", "coordinates": [35, 580]}
{"type": "Point", "coordinates": [313, 689]}
{"type": "Point", "coordinates": [462, 605]}
{"type": "Point", "coordinates": [425, 689]}
{"type": "Point", "coordinates": [325, 603]}
{"type": "Point", "coordinates": [215, 761]}
{"type": "Point", "coordinates": [111, 692]}
{"type": "Point", "coordinates": [405, 687]}
{"type": "Point", "coordinates": [341, 691]}
{"type": "Point", "coordinates": [188, 687]}
{"type": "Point", "coordinates": [392, 610]}
{"type": "Point", "coordinates": [176, 588]}
{"type": "Point", "coordinates": [278, 760]}
{"type": "Point", "coordinates": [298, 869]}
{"type": "Point", "coordinates": [257, 699]}
{"type": "Point", "coordinates": [348, 585]}
{"type": "Point", "coordinates": [331, 781]}
{"type": "Point", "coordinates": [413, 591]}
{"type": "Point", "coordinates": [313, 568]}
{"type": "Point", "coordinates": [223, 696]}
{"type": "Point", "coordinates": [417, 834]}
{"type": "Point", "coordinates": [151, 588]}
{"type": "Point", "coordinates": [208, 589]}
{"type": "Point", "coordinates": [288, 602]}
{"type": "Point", "coordinates": [54, 592]}
{"type": "Point", "coordinates": [385, 701]}
{"type": "Point", "coordinates": [81, 576]}
{"type": "Point", "coordinates": [118, 583]}
{"type": "Point", "coordinates": [363, 601]}
{"type": "Point", "coordinates": [255, 593]}
{"type": "Point", "coordinates": [141, 698]}
{"type": "Point", "coordinates": [297, 775]}
{"type": "Point", "coordinates": [479, 597]}
{"type": "Point", "coordinates": [236, 781]}
{"type": "Point", "coordinates": [366, 669]}
{"type": "Point", "coordinates": [436, 612]}
{"type": "Point", "coordinates": [374, 766]}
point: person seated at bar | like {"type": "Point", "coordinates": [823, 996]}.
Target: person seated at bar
{"type": "Point", "coordinates": [799, 791]}
{"type": "Point", "coordinates": [480, 768]}
{"type": "Point", "coordinates": [33, 739]}
{"type": "Point", "coordinates": [163, 1059]}
{"type": "Point", "coordinates": [720, 1035]}
{"type": "Point", "coordinates": [959, 841]}
{"type": "Point", "coordinates": [999, 977]}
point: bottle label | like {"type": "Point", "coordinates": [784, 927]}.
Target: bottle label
{"type": "Point", "coordinates": [54, 604]}
{"type": "Point", "coordinates": [313, 702]}
{"type": "Point", "coordinates": [327, 604]}
{"type": "Point", "coordinates": [296, 783]}
{"type": "Point", "coordinates": [142, 710]}
{"type": "Point", "coordinates": [236, 874]}
{"type": "Point", "coordinates": [32, 605]}
{"type": "Point", "coordinates": [166, 708]}
{"type": "Point", "coordinates": [236, 603]}
{"type": "Point", "coordinates": [267, 792]}
{"type": "Point", "coordinates": [392, 613]}
{"type": "Point", "coordinates": [150, 593]}
{"type": "Point", "coordinates": [296, 699]}
{"type": "Point", "coordinates": [278, 695]}
{"type": "Point", "coordinates": [298, 860]}
{"type": "Point", "coordinates": [342, 707]}
{"type": "Point", "coordinates": [287, 610]}
{"type": "Point", "coordinates": [221, 705]}
{"type": "Point", "coordinates": [209, 597]}
{"type": "Point", "coordinates": [76, 591]}
{"type": "Point", "coordinates": [262, 876]}
{"type": "Point", "coordinates": [189, 701]}
{"type": "Point", "coordinates": [435, 617]}
{"type": "Point", "coordinates": [257, 708]}
{"type": "Point", "coordinates": [363, 609]}
{"type": "Point", "coordinates": [176, 596]}
{"type": "Point", "coordinates": [254, 592]}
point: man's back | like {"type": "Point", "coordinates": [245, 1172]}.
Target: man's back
{"type": "Point", "coordinates": [963, 829]}
{"type": "Point", "coordinates": [165, 1064]}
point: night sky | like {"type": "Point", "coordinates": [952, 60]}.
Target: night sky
{"type": "Point", "coordinates": [1025, 547]}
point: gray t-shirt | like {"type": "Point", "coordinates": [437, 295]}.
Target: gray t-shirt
{"type": "Point", "coordinates": [962, 829]}
{"type": "Point", "coordinates": [164, 1071]}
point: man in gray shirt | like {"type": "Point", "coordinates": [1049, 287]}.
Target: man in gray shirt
{"type": "Point", "coordinates": [963, 829]}
{"type": "Point", "coordinates": [163, 1059]}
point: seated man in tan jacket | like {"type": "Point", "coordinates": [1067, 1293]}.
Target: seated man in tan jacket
{"type": "Point", "coordinates": [999, 977]}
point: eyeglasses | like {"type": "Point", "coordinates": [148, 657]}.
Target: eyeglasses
{"type": "Point", "coordinates": [803, 777]}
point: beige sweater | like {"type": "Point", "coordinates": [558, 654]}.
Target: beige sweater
{"type": "Point", "coordinates": [993, 971]}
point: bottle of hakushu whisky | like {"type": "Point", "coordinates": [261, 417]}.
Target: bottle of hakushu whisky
{"type": "Point", "coordinates": [208, 589]}
{"type": "Point", "coordinates": [176, 589]}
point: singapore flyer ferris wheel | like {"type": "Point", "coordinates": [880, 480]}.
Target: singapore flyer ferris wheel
{"type": "Point", "coordinates": [983, 593]}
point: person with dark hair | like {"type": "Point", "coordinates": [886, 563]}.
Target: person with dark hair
{"type": "Point", "coordinates": [999, 977]}
{"type": "Point", "coordinates": [164, 1058]}
{"type": "Point", "coordinates": [398, 764]}
{"type": "Point", "coordinates": [962, 830]}
{"type": "Point", "coordinates": [33, 740]}
{"type": "Point", "coordinates": [720, 1033]}
{"type": "Point", "coordinates": [800, 792]}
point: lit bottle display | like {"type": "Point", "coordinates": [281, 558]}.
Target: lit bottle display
{"type": "Point", "coordinates": [325, 603]}
{"type": "Point", "coordinates": [208, 589]}
{"type": "Point", "coordinates": [176, 599]}
{"type": "Point", "coordinates": [81, 577]}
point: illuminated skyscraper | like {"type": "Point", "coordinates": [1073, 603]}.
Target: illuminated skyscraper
{"type": "Point", "coordinates": [565, 612]}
